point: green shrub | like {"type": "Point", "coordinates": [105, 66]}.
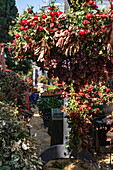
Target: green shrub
{"type": "Point", "coordinates": [46, 103]}
{"type": "Point", "coordinates": [14, 91]}
{"type": "Point", "coordinates": [17, 147]}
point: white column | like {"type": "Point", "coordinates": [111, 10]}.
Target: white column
{"type": "Point", "coordinates": [34, 64]}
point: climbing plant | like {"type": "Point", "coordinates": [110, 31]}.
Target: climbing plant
{"type": "Point", "coordinates": [74, 46]}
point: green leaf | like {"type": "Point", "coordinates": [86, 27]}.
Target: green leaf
{"type": "Point", "coordinates": [100, 52]}
{"type": "Point", "coordinates": [40, 163]}
{"type": "Point", "coordinates": [5, 168]}
{"type": "Point", "coordinates": [16, 159]}
{"type": "Point", "coordinates": [6, 155]}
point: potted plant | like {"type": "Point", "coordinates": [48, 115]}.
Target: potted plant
{"type": "Point", "coordinates": [45, 104]}
{"type": "Point", "coordinates": [43, 79]}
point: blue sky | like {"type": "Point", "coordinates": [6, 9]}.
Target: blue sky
{"type": "Point", "coordinates": [22, 4]}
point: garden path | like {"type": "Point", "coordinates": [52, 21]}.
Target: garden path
{"type": "Point", "coordinates": [40, 132]}
{"type": "Point", "coordinates": [44, 142]}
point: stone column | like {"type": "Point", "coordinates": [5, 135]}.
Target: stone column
{"type": "Point", "coordinates": [66, 6]}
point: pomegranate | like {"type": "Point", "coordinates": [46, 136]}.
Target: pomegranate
{"type": "Point", "coordinates": [27, 37]}
{"type": "Point", "coordinates": [30, 11]}
{"type": "Point", "coordinates": [59, 13]}
{"type": "Point", "coordinates": [89, 16]}
{"type": "Point", "coordinates": [103, 27]}
{"type": "Point", "coordinates": [17, 35]}
{"type": "Point", "coordinates": [36, 17]}
{"type": "Point", "coordinates": [23, 22]}
{"type": "Point", "coordinates": [44, 16]}
{"type": "Point", "coordinates": [41, 28]}
{"type": "Point", "coordinates": [104, 15]}
{"type": "Point", "coordinates": [81, 31]}
{"type": "Point", "coordinates": [91, 2]}
{"type": "Point", "coordinates": [21, 28]}
{"type": "Point", "coordinates": [2, 44]}
{"type": "Point", "coordinates": [53, 13]}
{"type": "Point", "coordinates": [9, 48]}
{"type": "Point", "coordinates": [34, 23]}
{"type": "Point", "coordinates": [85, 22]}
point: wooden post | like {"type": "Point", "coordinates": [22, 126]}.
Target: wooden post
{"type": "Point", "coordinates": [2, 58]}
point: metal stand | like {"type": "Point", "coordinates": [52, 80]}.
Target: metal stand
{"type": "Point", "coordinates": [110, 135]}
{"type": "Point", "coordinates": [60, 151]}
{"type": "Point", "coordinates": [110, 154]}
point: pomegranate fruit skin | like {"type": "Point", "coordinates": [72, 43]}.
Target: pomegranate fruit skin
{"type": "Point", "coordinates": [81, 31]}
{"type": "Point", "coordinates": [89, 15]}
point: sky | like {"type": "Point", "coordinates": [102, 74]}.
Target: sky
{"type": "Point", "coordinates": [23, 4]}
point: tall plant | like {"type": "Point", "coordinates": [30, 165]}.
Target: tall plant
{"type": "Point", "coordinates": [74, 46]}
{"type": "Point", "coordinates": [8, 11]}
